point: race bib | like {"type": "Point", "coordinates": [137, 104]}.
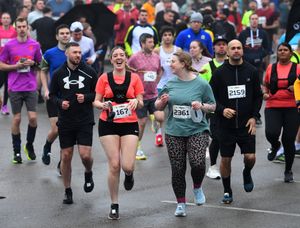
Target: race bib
{"type": "Point", "coordinates": [24, 70]}
{"type": "Point", "coordinates": [181, 112]}
{"type": "Point", "coordinates": [150, 76]}
{"type": "Point", "coordinates": [121, 111]}
{"type": "Point", "coordinates": [237, 91]}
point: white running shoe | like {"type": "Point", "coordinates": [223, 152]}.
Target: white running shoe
{"type": "Point", "coordinates": [213, 172]}
{"type": "Point", "coordinates": [180, 210]}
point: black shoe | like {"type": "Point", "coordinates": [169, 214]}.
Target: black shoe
{"type": "Point", "coordinates": [114, 212]}
{"type": "Point", "coordinates": [288, 177]}
{"type": "Point", "coordinates": [128, 182]}
{"type": "Point", "coordinates": [68, 196]}
{"type": "Point", "coordinates": [46, 156]}
{"type": "Point", "coordinates": [89, 183]}
{"type": "Point", "coordinates": [58, 169]}
{"type": "Point", "coordinates": [29, 151]}
{"type": "Point", "coordinates": [17, 159]}
{"type": "Point", "coordinates": [248, 182]}
{"type": "Point", "coordinates": [273, 151]}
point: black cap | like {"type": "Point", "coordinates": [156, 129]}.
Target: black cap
{"type": "Point", "coordinates": [220, 38]}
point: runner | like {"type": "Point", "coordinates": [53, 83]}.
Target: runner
{"type": "Point", "coordinates": [52, 60]}
{"type": "Point", "coordinates": [118, 95]}
{"type": "Point", "coordinates": [186, 130]}
{"type": "Point", "coordinates": [19, 57]}
{"type": "Point", "coordinates": [147, 65]}
{"type": "Point", "coordinates": [72, 90]}
{"type": "Point", "coordinates": [281, 111]}
{"type": "Point", "coordinates": [238, 95]}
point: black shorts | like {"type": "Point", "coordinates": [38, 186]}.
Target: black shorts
{"type": "Point", "coordinates": [80, 135]}
{"type": "Point", "coordinates": [148, 107]}
{"type": "Point", "coordinates": [120, 129]}
{"type": "Point", "coordinates": [230, 137]}
{"type": "Point", "coordinates": [18, 98]}
{"type": "Point", "coordinates": [51, 109]}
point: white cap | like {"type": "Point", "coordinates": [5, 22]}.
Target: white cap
{"type": "Point", "coordinates": [76, 27]}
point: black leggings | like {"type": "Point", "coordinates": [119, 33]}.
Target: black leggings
{"type": "Point", "coordinates": [214, 146]}
{"type": "Point", "coordinates": [178, 147]}
{"type": "Point", "coordinates": [286, 119]}
{"type": "Point", "coordinates": [3, 81]}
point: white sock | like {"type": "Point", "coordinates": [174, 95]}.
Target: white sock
{"type": "Point", "coordinates": [158, 131]}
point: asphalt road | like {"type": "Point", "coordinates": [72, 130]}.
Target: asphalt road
{"type": "Point", "coordinates": [33, 192]}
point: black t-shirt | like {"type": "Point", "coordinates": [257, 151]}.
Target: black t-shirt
{"type": "Point", "coordinates": [45, 30]}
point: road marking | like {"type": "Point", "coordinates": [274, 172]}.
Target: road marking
{"type": "Point", "coordinates": [281, 179]}
{"type": "Point", "coordinates": [238, 209]}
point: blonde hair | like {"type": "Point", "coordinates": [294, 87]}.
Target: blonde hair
{"type": "Point", "coordinates": [185, 58]}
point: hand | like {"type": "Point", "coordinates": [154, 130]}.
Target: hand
{"type": "Point", "coordinates": [229, 113]}
{"type": "Point", "coordinates": [106, 105]}
{"type": "Point", "coordinates": [80, 98]}
{"type": "Point", "coordinates": [28, 62]}
{"type": "Point", "coordinates": [89, 61]}
{"type": "Point", "coordinates": [133, 103]}
{"type": "Point", "coordinates": [46, 94]}
{"type": "Point", "coordinates": [266, 96]}
{"type": "Point", "coordinates": [196, 105]}
{"type": "Point", "coordinates": [65, 105]}
{"type": "Point", "coordinates": [164, 98]}
{"type": "Point", "coordinates": [291, 88]}
{"type": "Point", "coordinates": [252, 126]}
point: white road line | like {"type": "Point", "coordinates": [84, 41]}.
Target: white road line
{"type": "Point", "coordinates": [238, 209]}
{"type": "Point", "coordinates": [281, 179]}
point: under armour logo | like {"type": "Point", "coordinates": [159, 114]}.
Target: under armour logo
{"type": "Point", "coordinates": [69, 82]}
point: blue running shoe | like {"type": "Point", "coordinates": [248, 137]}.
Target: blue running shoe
{"type": "Point", "coordinates": [199, 196]}
{"type": "Point", "coordinates": [248, 182]}
{"type": "Point", "coordinates": [227, 198]}
{"type": "Point", "coordinates": [180, 210]}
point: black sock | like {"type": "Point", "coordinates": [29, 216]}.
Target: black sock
{"type": "Point", "coordinates": [30, 134]}
{"type": "Point", "coordinates": [247, 170]}
{"type": "Point", "coordinates": [114, 206]}
{"type": "Point", "coordinates": [68, 190]}
{"type": "Point", "coordinates": [226, 184]}
{"type": "Point", "coordinates": [48, 144]}
{"type": "Point", "coordinates": [16, 141]}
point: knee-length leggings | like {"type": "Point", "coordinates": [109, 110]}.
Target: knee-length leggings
{"type": "Point", "coordinates": [194, 147]}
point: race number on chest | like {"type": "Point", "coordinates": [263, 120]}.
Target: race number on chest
{"type": "Point", "coordinates": [150, 76]}
{"type": "Point", "coordinates": [236, 91]}
{"type": "Point", "coordinates": [181, 112]}
{"type": "Point", "coordinates": [121, 111]}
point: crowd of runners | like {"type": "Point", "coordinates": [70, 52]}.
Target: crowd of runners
{"type": "Point", "coordinates": [199, 73]}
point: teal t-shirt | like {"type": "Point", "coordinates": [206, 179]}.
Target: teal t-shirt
{"type": "Point", "coordinates": [181, 95]}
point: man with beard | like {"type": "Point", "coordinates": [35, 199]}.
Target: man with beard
{"type": "Point", "coordinates": [238, 96]}
{"type": "Point", "coordinates": [52, 60]}
{"type": "Point", "coordinates": [72, 89]}
{"type": "Point", "coordinates": [220, 49]}
{"type": "Point", "coordinates": [19, 57]}
{"type": "Point", "coordinates": [147, 65]}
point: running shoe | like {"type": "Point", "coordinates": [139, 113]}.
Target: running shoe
{"type": "Point", "coordinates": [46, 158]}
{"type": "Point", "coordinates": [140, 155]}
{"type": "Point", "coordinates": [29, 151]}
{"type": "Point", "coordinates": [180, 210]}
{"type": "Point", "coordinates": [88, 182]}
{"type": "Point", "coordinates": [199, 197]}
{"type": "Point", "coordinates": [58, 169]}
{"type": "Point", "coordinates": [68, 196]}
{"type": "Point", "coordinates": [213, 172]}
{"type": "Point", "coordinates": [4, 110]}
{"type": "Point", "coordinates": [248, 182]}
{"type": "Point", "coordinates": [279, 159]}
{"type": "Point", "coordinates": [273, 151]}
{"type": "Point", "coordinates": [159, 140]}
{"type": "Point", "coordinates": [128, 182]}
{"type": "Point", "coordinates": [114, 212]}
{"type": "Point", "coordinates": [227, 198]}
{"type": "Point", "coordinates": [154, 125]}
{"type": "Point", "coordinates": [288, 177]}
{"type": "Point", "coordinates": [17, 159]}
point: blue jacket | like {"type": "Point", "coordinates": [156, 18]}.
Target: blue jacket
{"type": "Point", "coordinates": [186, 36]}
